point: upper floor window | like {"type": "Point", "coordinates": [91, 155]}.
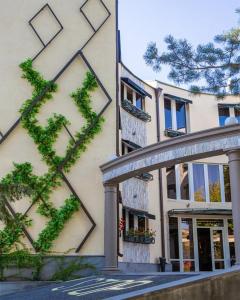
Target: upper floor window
{"type": "Point", "coordinates": [133, 96]}
{"type": "Point", "coordinates": [225, 111]}
{"type": "Point", "coordinates": [175, 115]}
{"type": "Point", "coordinates": [199, 182]}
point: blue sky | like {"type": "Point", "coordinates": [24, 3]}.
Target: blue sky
{"type": "Point", "coordinates": [142, 21]}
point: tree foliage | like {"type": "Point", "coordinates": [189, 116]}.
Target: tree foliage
{"type": "Point", "coordinates": [216, 64]}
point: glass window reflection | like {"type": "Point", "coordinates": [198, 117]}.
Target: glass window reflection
{"type": "Point", "coordinates": [171, 183]}
{"type": "Point", "coordinates": [199, 183]}
{"type": "Point", "coordinates": [214, 183]}
{"type": "Point", "coordinates": [168, 114]}
{"type": "Point", "coordinates": [181, 115]}
{"type": "Point", "coordinates": [184, 182]}
{"type": "Point", "coordinates": [187, 238]}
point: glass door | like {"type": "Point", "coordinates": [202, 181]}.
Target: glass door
{"type": "Point", "coordinates": [204, 249]}
{"type": "Point", "coordinates": [217, 248]}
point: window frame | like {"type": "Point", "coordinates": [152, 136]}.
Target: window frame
{"type": "Point", "coordinates": [135, 93]}
{"type": "Point", "coordinates": [191, 182]}
{"type": "Point", "coordinates": [174, 125]}
{"type": "Point", "coordinates": [232, 113]}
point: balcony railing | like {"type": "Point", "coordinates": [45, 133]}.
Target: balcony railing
{"type": "Point", "coordinates": [138, 239]}
{"type": "Point", "coordinates": [136, 112]}
{"type": "Point", "coordinates": [145, 177]}
{"type": "Point", "coordinates": [173, 133]}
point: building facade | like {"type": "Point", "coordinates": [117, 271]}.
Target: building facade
{"type": "Point", "coordinates": [181, 214]}
{"type": "Point", "coordinates": [184, 211]}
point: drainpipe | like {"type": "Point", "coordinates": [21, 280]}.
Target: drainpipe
{"type": "Point", "coordinates": [158, 92]}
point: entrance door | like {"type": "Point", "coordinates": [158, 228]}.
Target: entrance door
{"type": "Point", "coordinates": [204, 249]}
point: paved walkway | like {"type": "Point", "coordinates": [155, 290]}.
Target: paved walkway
{"type": "Point", "coordinates": [95, 287]}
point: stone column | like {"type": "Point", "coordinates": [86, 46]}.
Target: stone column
{"type": "Point", "coordinates": [110, 228]}
{"type": "Point", "coordinates": [234, 169]}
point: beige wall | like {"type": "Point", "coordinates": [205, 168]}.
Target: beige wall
{"type": "Point", "coordinates": [18, 42]}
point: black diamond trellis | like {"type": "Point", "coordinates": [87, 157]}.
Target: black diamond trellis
{"type": "Point", "coordinates": [88, 19]}
{"type": "Point", "coordinates": [80, 54]}
{"type": "Point", "coordinates": [46, 6]}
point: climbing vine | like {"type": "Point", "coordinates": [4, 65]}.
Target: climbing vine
{"type": "Point", "coordinates": [45, 138]}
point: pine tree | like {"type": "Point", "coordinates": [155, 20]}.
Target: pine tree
{"type": "Point", "coordinates": [216, 64]}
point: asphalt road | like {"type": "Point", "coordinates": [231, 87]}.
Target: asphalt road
{"type": "Point", "coordinates": [93, 288]}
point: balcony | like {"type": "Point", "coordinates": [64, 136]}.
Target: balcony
{"type": "Point", "coordinates": [134, 237]}
{"type": "Point", "coordinates": [173, 133]}
{"type": "Point", "coordinates": [136, 112]}
{"type": "Point", "coordinates": [145, 177]}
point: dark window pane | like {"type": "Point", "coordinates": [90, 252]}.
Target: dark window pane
{"type": "Point", "coordinates": [122, 91]}
{"type": "Point", "coordinates": [175, 266]}
{"type": "Point", "coordinates": [223, 113]}
{"type": "Point", "coordinates": [237, 114]}
{"type": "Point", "coordinates": [231, 240]}
{"type": "Point", "coordinates": [181, 115]}
{"type": "Point", "coordinates": [168, 114]}
{"type": "Point", "coordinates": [214, 183]}
{"type": "Point", "coordinates": [171, 183]}
{"type": "Point", "coordinates": [139, 101]}
{"type": "Point", "coordinates": [184, 182]}
{"type": "Point", "coordinates": [131, 221]}
{"type": "Point", "coordinates": [219, 265]}
{"type": "Point", "coordinates": [209, 223]}
{"type": "Point", "coordinates": [141, 223]}
{"type": "Point", "coordinates": [187, 238]}
{"type": "Point", "coordinates": [199, 183]}
{"type": "Point", "coordinates": [188, 266]}
{"type": "Point", "coordinates": [129, 94]}
{"type": "Point", "coordinates": [227, 186]}
{"type": "Point", "coordinates": [173, 234]}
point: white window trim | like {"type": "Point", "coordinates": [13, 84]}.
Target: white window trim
{"type": "Point", "coordinates": [191, 182]}
{"type": "Point", "coordinates": [174, 115]}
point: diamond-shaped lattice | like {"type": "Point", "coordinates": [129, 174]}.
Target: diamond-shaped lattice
{"type": "Point", "coordinates": [45, 41]}
{"type": "Point", "coordinates": [96, 22]}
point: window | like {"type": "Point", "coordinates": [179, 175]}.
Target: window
{"type": "Point", "coordinates": [171, 183]}
{"type": "Point", "coordinates": [184, 181]}
{"type": "Point", "coordinates": [175, 115]}
{"type": "Point", "coordinates": [181, 115]}
{"type": "Point", "coordinates": [214, 183]}
{"type": "Point", "coordinates": [129, 94]}
{"type": "Point", "coordinates": [168, 114]}
{"type": "Point", "coordinates": [139, 101]}
{"type": "Point", "coordinates": [199, 183]}
{"type": "Point", "coordinates": [122, 92]}
{"type": "Point", "coordinates": [237, 113]}
{"type": "Point", "coordinates": [187, 245]}
{"type": "Point", "coordinates": [130, 221]}
{"type": "Point", "coordinates": [227, 187]}
{"type": "Point", "coordinates": [225, 112]}
{"type": "Point", "coordinates": [133, 96]}
{"type": "Point", "coordinates": [174, 244]}
{"type": "Point", "coordinates": [231, 241]}
{"type": "Point", "coordinates": [141, 223]}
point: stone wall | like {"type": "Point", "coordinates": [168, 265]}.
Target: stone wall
{"type": "Point", "coordinates": [133, 129]}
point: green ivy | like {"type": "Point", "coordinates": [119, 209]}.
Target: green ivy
{"type": "Point", "coordinates": [45, 138]}
{"type": "Point", "coordinates": [56, 224]}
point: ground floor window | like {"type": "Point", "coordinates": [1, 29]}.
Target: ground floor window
{"type": "Point", "coordinates": [200, 244]}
